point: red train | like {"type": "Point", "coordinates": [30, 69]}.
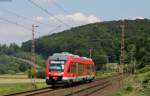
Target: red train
{"type": "Point", "coordinates": [68, 68]}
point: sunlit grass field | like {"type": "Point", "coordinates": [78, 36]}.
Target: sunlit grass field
{"type": "Point", "coordinates": [18, 83]}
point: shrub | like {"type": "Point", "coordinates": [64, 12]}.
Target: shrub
{"type": "Point", "coordinates": [146, 78]}
{"type": "Point", "coordinates": [143, 70]}
{"type": "Point", "coordinates": [40, 74]}
{"type": "Point", "coordinates": [129, 88]}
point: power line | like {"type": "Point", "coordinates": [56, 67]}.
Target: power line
{"type": "Point", "coordinates": [22, 17]}
{"type": "Point", "coordinates": [22, 26]}
{"type": "Point", "coordinates": [50, 30]}
{"type": "Point", "coordinates": [61, 8]}
{"type": "Point", "coordinates": [55, 29]}
{"type": "Point", "coordinates": [15, 23]}
{"type": "Point", "coordinates": [46, 11]}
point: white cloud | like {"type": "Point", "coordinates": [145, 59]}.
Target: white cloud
{"type": "Point", "coordinates": [11, 33]}
{"type": "Point", "coordinates": [38, 18]}
{"type": "Point", "coordinates": [138, 17]}
{"type": "Point", "coordinates": [133, 18]}
{"type": "Point", "coordinates": [93, 19]}
{"type": "Point", "coordinates": [76, 18]}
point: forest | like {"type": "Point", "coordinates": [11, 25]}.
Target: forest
{"type": "Point", "coordinates": [103, 38]}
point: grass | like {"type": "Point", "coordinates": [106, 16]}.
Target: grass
{"type": "Point", "coordinates": [128, 88]}
{"type": "Point", "coordinates": [18, 87]}
{"type": "Point", "coordinates": [102, 74]}
{"type": "Point", "coordinates": [135, 85]}
{"type": "Point", "coordinates": [19, 76]}
{"type": "Point", "coordinates": [18, 83]}
{"type": "Point", "coordinates": [9, 80]}
{"type": "Point", "coordinates": [109, 71]}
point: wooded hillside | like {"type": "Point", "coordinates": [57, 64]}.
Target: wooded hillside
{"type": "Point", "coordinates": [104, 40]}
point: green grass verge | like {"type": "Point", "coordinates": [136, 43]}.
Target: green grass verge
{"type": "Point", "coordinates": [109, 71]}
{"type": "Point", "coordinates": [18, 83]}
{"type": "Point", "coordinates": [18, 87]}
{"type": "Point", "coordinates": [102, 74]}
{"type": "Point", "coordinates": [135, 85]}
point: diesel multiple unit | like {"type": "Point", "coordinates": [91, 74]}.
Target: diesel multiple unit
{"type": "Point", "coordinates": [68, 68]}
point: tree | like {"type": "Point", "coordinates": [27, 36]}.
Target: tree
{"type": "Point", "coordinates": [23, 67]}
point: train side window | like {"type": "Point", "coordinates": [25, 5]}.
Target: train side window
{"type": "Point", "coordinates": [77, 68]}
{"type": "Point", "coordinates": [72, 67]}
{"type": "Point", "coordinates": [80, 69]}
{"type": "Point", "coordinates": [88, 69]}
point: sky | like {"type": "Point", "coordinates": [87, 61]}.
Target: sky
{"type": "Point", "coordinates": [17, 16]}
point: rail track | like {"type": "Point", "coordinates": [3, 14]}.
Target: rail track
{"type": "Point", "coordinates": [90, 90]}
{"type": "Point", "coordinates": [32, 92]}
{"type": "Point", "coordinates": [75, 90]}
{"type": "Point", "coordinates": [98, 86]}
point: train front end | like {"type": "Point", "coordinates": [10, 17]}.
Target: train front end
{"type": "Point", "coordinates": [55, 68]}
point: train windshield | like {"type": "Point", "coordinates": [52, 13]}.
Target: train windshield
{"type": "Point", "coordinates": [57, 66]}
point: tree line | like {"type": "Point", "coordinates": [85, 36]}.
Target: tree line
{"type": "Point", "coordinates": [103, 39]}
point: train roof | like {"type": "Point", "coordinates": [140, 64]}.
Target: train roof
{"type": "Point", "coordinates": [64, 55]}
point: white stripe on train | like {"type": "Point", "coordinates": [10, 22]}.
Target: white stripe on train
{"type": "Point", "coordinates": [79, 77]}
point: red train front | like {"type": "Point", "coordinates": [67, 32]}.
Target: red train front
{"type": "Point", "coordinates": [68, 68]}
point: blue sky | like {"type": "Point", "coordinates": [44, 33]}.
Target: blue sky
{"type": "Point", "coordinates": [79, 12]}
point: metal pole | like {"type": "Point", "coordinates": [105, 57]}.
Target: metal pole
{"type": "Point", "coordinates": [33, 53]}
{"type": "Point", "coordinates": [90, 53]}
{"type": "Point", "coordinates": [33, 68]}
{"type": "Point", "coordinates": [122, 49]}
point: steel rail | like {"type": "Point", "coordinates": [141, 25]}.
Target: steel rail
{"type": "Point", "coordinates": [84, 91]}
{"type": "Point", "coordinates": [97, 87]}
{"type": "Point", "coordinates": [31, 92]}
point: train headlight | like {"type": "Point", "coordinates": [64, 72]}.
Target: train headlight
{"type": "Point", "coordinates": [47, 77]}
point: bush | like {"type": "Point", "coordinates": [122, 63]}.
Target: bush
{"type": "Point", "coordinates": [40, 74]}
{"type": "Point", "coordinates": [11, 72]}
{"type": "Point", "coordinates": [144, 70]}
{"type": "Point", "coordinates": [23, 67]}
{"type": "Point", "coordinates": [146, 79]}
{"type": "Point", "coordinates": [29, 73]}
{"type": "Point", "coordinates": [129, 88]}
